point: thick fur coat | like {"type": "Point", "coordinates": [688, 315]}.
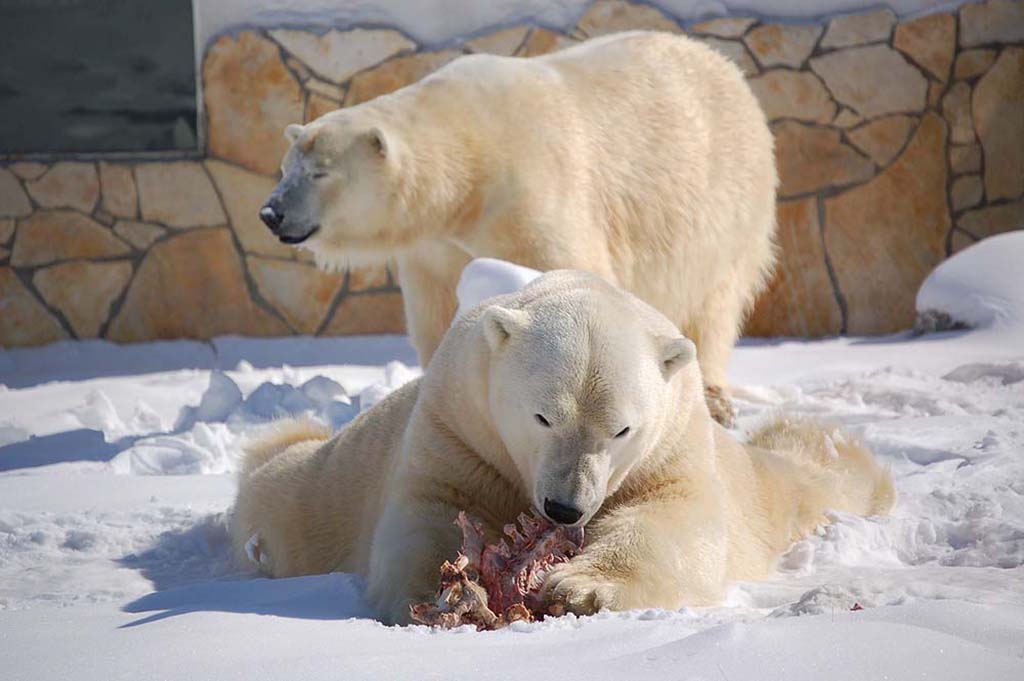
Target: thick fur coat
{"type": "Point", "coordinates": [570, 391]}
{"type": "Point", "coordinates": [642, 157]}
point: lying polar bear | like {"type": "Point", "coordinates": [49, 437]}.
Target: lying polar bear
{"type": "Point", "coordinates": [642, 157]}
{"type": "Point", "coordinates": [577, 399]}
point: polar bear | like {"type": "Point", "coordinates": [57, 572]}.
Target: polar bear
{"type": "Point", "coordinates": [576, 399]}
{"type": "Point", "coordinates": [643, 157]}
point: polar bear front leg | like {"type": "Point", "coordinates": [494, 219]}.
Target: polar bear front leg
{"type": "Point", "coordinates": [428, 283]}
{"type": "Point", "coordinates": [411, 542]}
{"type": "Point", "coordinates": [714, 332]}
{"type": "Point", "coordinates": [661, 554]}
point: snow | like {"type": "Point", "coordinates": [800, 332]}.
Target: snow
{"type": "Point", "coordinates": [116, 479]}
{"type": "Point", "coordinates": [983, 286]}
{"type": "Point", "coordinates": [485, 278]}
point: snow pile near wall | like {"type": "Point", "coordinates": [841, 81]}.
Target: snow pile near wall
{"type": "Point", "coordinates": [485, 278]}
{"type": "Point", "coordinates": [981, 286]}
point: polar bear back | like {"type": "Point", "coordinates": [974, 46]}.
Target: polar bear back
{"type": "Point", "coordinates": [650, 144]}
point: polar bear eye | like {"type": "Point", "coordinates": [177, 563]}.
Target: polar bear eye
{"type": "Point", "coordinates": [319, 175]}
{"type": "Point", "coordinates": [541, 420]}
{"type": "Point", "coordinates": [622, 433]}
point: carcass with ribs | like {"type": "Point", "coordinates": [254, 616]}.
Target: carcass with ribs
{"type": "Point", "coordinates": [491, 585]}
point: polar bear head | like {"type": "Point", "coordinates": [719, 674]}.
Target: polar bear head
{"type": "Point", "coordinates": [337, 195]}
{"type": "Point", "coordinates": [583, 380]}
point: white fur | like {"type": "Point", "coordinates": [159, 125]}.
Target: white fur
{"type": "Point", "coordinates": [642, 157]}
{"type": "Point", "coordinates": [673, 509]}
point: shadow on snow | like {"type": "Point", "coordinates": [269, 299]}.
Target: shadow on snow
{"type": "Point", "coordinates": [325, 597]}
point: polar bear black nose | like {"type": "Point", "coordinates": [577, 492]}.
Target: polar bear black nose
{"type": "Point", "coordinates": [271, 218]}
{"type": "Point", "coordinates": [560, 513]}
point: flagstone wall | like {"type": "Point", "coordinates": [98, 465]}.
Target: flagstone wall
{"type": "Point", "coordinates": [898, 144]}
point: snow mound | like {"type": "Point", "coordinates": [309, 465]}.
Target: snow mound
{"type": "Point", "coordinates": [980, 287]}
{"type": "Point", "coordinates": [208, 438]}
{"type": "Point", "coordinates": [485, 278]}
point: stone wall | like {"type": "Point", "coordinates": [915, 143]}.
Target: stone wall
{"type": "Point", "coordinates": [898, 144]}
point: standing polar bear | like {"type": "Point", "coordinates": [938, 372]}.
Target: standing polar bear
{"type": "Point", "coordinates": [576, 399]}
{"type": "Point", "coordinates": [642, 157]}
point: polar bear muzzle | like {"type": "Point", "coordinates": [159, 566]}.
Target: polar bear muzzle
{"type": "Point", "coordinates": [572, 482]}
{"type": "Point", "coordinates": [291, 211]}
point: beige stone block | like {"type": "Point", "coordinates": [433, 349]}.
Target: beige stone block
{"type": "Point", "coordinates": [998, 111]}
{"type": "Point", "coordinates": [726, 27]}
{"type": "Point", "coordinates": [811, 158]}
{"type": "Point", "coordinates": [395, 74]}
{"type": "Point", "coordinates": [965, 159]}
{"type": "Point", "coordinates": [367, 313]}
{"type": "Point", "coordinates": [141, 235]}
{"type": "Point", "coordinates": [935, 90]}
{"type": "Point", "coordinates": [995, 21]}
{"type": "Point", "coordinates": [735, 51]}
{"type": "Point", "coordinates": [300, 70]}
{"type": "Point", "coordinates": [338, 55]}
{"type": "Point", "coordinates": [103, 217]}
{"type": "Point", "coordinates": [956, 108]}
{"type": "Point", "coordinates": [83, 291]}
{"type": "Point", "coordinates": [873, 80]}
{"type": "Point", "coordinates": [67, 184]}
{"type": "Point", "coordinates": [858, 29]}
{"type": "Point", "coordinates": [52, 235]}
{"type": "Point", "coordinates": [793, 94]}
{"type": "Point", "coordinates": [782, 44]}
{"type": "Point", "coordinates": [301, 293]}
{"type": "Point", "coordinates": [972, 63]}
{"type": "Point", "coordinates": [800, 300]}
{"type": "Point", "coordinates": [990, 220]}
{"type": "Point", "coordinates": [883, 138]}
{"type": "Point", "coordinates": [542, 41]}
{"type": "Point", "coordinates": [317, 106]}
{"type": "Point", "coordinates": [967, 192]}
{"type": "Point", "coordinates": [930, 41]}
{"type": "Point", "coordinates": [244, 194]}
{"type": "Point", "coordinates": [369, 277]}
{"type": "Point", "coordinates": [884, 237]}
{"type": "Point", "coordinates": [324, 89]}
{"type": "Point", "coordinates": [118, 190]}
{"type": "Point", "coordinates": [250, 98]}
{"type": "Point", "coordinates": [178, 194]}
{"type": "Point", "coordinates": [846, 118]}
{"type": "Point", "coordinates": [14, 202]}
{"type": "Point", "coordinates": [191, 285]}
{"type": "Point", "coordinates": [28, 170]}
{"type": "Point", "coordinates": [961, 240]}
{"type": "Point", "coordinates": [503, 43]}
{"type": "Point", "coordinates": [23, 319]}
{"type": "Point", "coordinates": [611, 16]}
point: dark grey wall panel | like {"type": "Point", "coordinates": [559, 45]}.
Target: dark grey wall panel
{"type": "Point", "coordinates": [97, 76]}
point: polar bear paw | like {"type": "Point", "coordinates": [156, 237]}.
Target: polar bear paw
{"type": "Point", "coordinates": [720, 405]}
{"type": "Point", "coordinates": [256, 553]}
{"type": "Point", "coordinates": [581, 589]}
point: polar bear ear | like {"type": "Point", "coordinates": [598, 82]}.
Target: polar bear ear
{"type": "Point", "coordinates": [292, 132]}
{"type": "Point", "coordinates": [500, 323]}
{"type": "Point", "coordinates": [675, 354]}
{"type": "Point", "coordinates": [379, 141]}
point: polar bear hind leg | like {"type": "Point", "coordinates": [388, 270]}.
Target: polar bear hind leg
{"type": "Point", "coordinates": [852, 479]}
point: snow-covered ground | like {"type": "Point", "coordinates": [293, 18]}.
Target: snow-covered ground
{"type": "Point", "coordinates": [116, 474]}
